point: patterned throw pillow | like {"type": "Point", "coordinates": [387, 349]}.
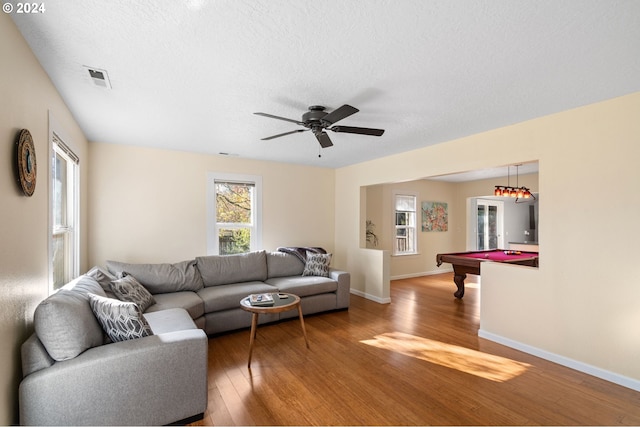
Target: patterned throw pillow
{"type": "Point", "coordinates": [317, 265]}
{"type": "Point", "coordinates": [121, 320]}
{"type": "Point", "coordinates": [129, 289]}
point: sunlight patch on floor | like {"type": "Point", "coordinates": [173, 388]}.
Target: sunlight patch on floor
{"type": "Point", "coordinates": [488, 366]}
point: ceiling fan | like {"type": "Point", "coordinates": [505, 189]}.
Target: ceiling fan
{"type": "Point", "coordinates": [318, 120]}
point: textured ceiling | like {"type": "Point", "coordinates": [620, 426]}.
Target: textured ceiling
{"type": "Point", "coordinates": [187, 75]}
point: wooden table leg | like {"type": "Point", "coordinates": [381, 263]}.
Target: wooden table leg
{"type": "Point", "coordinates": [458, 279]}
{"type": "Point", "coordinates": [304, 331]}
{"type": "Point", "coordinates": [254, 325]}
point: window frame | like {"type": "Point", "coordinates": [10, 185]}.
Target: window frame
{"type": "Point", "coordinates": [414, 227]}
{"type": "Point", "coordinates": [213, 247]}
{"type": "Point", "coordinates": [71, 229]}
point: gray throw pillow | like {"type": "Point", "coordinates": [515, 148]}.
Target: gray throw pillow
{"type": "Point", "coordinates": [104, 278]}
{"type": "Point", "coordinates": [121, 320]}
{"type": "Point", "coordinates": [84, 285]}
{"type": "Point", "coordinates": [66, 325]}
{"type": "Point", "coordinates": [130, 290]}
{"type": "Point", "coordinates": [317, 265]}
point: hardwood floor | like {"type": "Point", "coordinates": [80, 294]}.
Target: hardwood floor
{"type": "Point", "coordinates": [416, 361]}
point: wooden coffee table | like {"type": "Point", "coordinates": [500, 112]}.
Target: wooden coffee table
{"type": "Point", "coordinates": [279, 305]}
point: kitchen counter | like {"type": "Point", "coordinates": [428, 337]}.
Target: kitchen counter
{"type": "Point", "coordinates": [524, 246]}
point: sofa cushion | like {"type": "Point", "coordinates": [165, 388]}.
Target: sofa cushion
{"type": "Point", "coordinates": [224, 297]}
{"type": "Point", "coordinates": [170, 320]}
{"type": "Point", "coordinates": [104, 278]}
{"type": "Point", "coordinates": [161, 278]}
{"type": "Point", "coordinates": [280, 264]}
{"type": "Point", "coordinates": [317, 265]}
{"type": "Point", "coordinates": [121, 320]}
{"type": "Point", "coordinates": [225, 269]}
{"type": "Point", "coordinates": [130, 290]}
{"type": "Point", "coordinates": [65, 324]}
{"type": "Point", "coordinates": [188, 300]}
{"type": "Point", "coordinates": [304, 286]}
{"type": "Point", "coordinates": [34, 356]}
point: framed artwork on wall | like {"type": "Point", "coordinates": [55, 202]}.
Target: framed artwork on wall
{"type": "Point", "coordinates": [434, 216]}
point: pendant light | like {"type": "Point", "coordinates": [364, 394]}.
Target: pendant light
{"type": "Point", "coordinates": [517, 192]}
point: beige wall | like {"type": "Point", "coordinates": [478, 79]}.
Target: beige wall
{"type": "Point", "coordinates": [149, 205]}
{"type": "Point", "coordinates": [582, 303]}
{"type": "Point", "coordinates": [26, 97]}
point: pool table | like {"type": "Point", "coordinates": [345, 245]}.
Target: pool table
{"type": "Point", "coordinates": [469, 262]}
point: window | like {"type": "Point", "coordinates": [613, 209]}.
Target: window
{"type": "Point", "coordinates": [405, 225]}
{"type": "Point", "coordinates": [64, 214]}
{"type": "Point", "coordinates": [233, 214]}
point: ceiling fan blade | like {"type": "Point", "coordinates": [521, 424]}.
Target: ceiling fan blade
{"type": "Point", "coordinates": [324, 139]}
{"type": "Point", "coordinates": [360, 131]}
{"type": "Point", "coordinates": [280, 118]}
{"type": "Point", "coordinates": [283, 134]}
{"type": "Point", "coordinates": [339, 114]}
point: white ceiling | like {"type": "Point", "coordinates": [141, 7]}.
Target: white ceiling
{"type": "Point", "coordinates": [187, 75]}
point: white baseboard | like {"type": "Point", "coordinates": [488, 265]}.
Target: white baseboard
{"type": "Point", "coordinates": [631, 383]}
{"type": "Point", "coordinates": [423, 273]}
{"type": "Point", "coordinates": [371, 297]}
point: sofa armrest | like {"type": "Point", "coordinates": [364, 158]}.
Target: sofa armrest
{"type": "Point", "coordinates": [153, 380]}
{"type": "Point", "coordinates": [344, 287]}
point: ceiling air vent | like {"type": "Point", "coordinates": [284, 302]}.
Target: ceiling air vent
{"type": "Point", "coordinates": [99, 77]}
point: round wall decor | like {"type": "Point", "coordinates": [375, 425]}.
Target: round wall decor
{"type": "Point", "coordinates": [26, 160]}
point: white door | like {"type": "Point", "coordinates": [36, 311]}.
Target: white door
{"type": "Point", "coordinates": [490, 224]}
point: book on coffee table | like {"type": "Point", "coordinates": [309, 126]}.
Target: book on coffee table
{"type": "Point", "coordinates": [261, 299]}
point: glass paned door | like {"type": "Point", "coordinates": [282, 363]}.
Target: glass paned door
{"type": "Point", "coordinates": [482, 219]}
{"type": "Point", "coordinates": [492, 227]}
{"type": "Point", "coordinates": [489, 221]}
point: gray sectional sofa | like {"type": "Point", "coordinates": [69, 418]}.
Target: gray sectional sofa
{"type": "Point", "coordinates": [73, 374]}
{"type": "Point", "coordinates": [210, 287]}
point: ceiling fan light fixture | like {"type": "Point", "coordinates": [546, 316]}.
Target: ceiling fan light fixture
{"type": "Point", "coordinates": [318, 121]}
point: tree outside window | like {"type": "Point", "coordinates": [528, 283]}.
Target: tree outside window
{"type": "Point", "coordinates": [234, 217]}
